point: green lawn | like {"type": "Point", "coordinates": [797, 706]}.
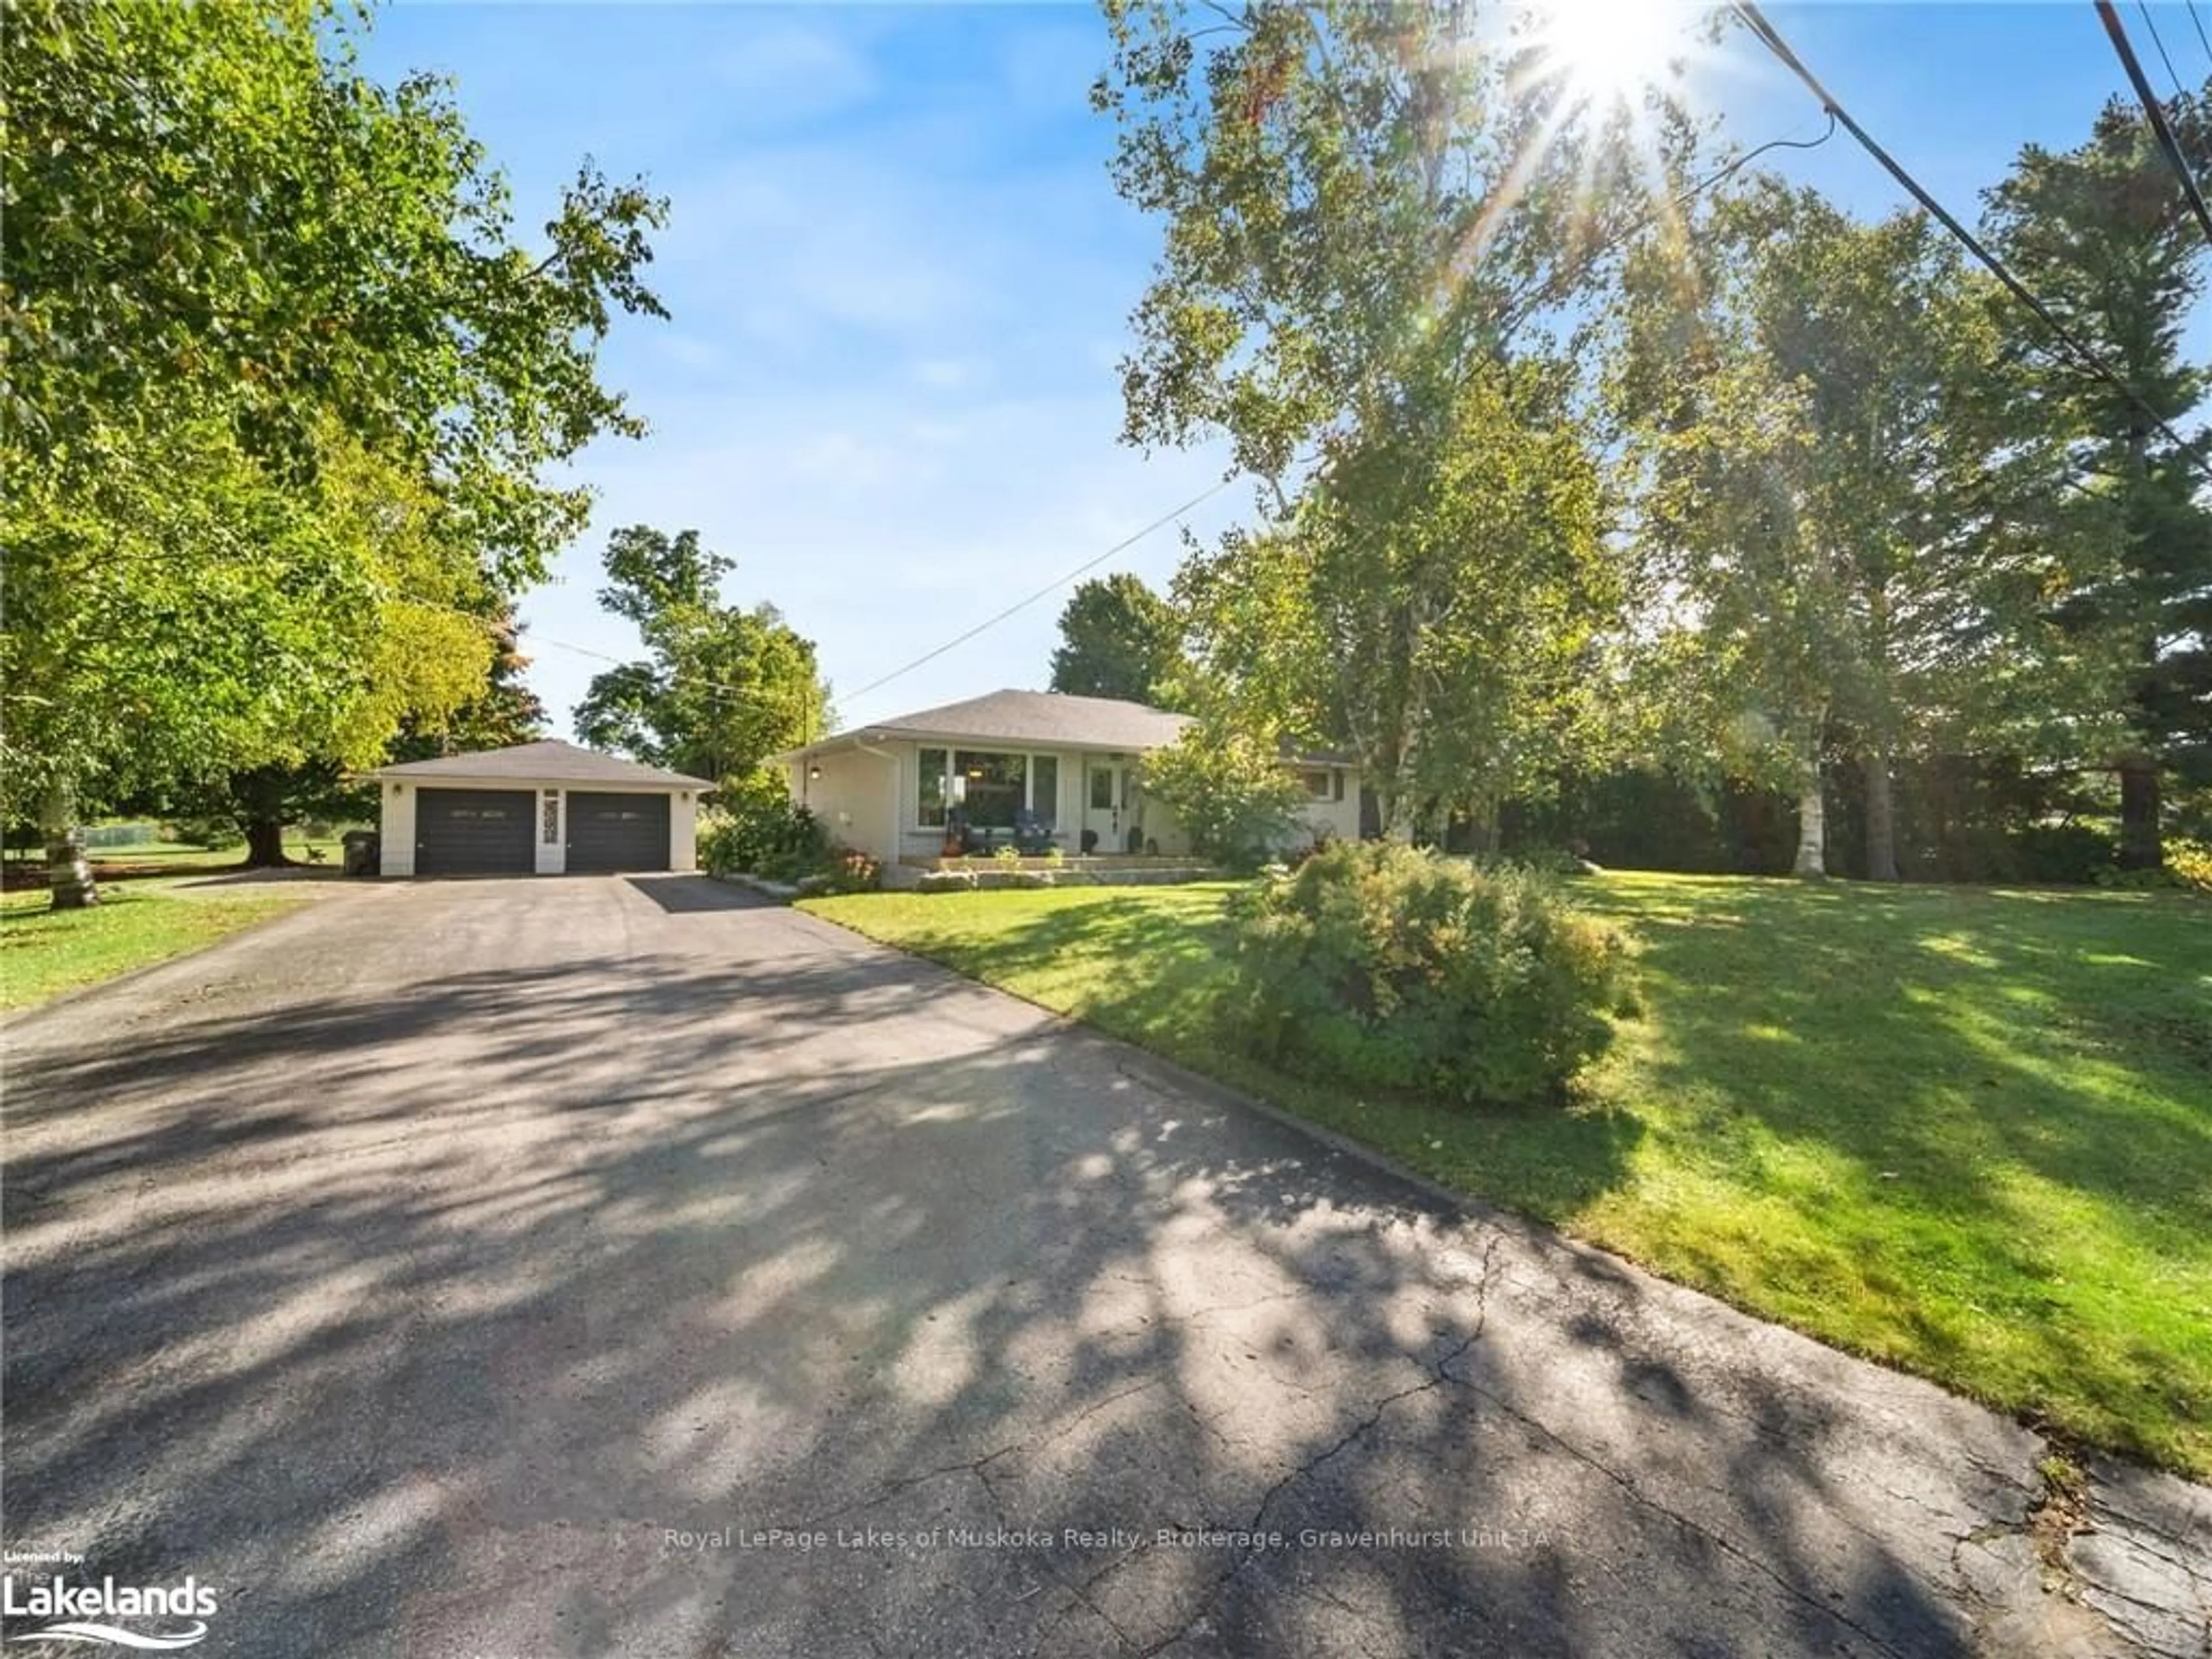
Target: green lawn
{"type": "Point", "coordinates": [1966, 1132]}
{"type": "Point", "coordinates": [43, 953]}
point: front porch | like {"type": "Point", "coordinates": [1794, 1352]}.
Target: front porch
{"type": "Point", "coordinates": [1066, 864]}
{"type": "Point", "coordinates": [939, 872]}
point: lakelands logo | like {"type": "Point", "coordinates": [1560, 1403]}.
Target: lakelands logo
{"type": "Point", "coordinates": [82, 1611]}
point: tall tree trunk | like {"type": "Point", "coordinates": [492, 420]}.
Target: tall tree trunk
{"type": "Point", "coordinates": [1812, 809]}
{"type": "Point", "coordinates": [265, 843]}
{"type": "Point", "coordinates": [1880, 816]}
{"type": "Point", "coordinates": [68, 876]}
{"type": "Point", "coordinates": [2141, 845]}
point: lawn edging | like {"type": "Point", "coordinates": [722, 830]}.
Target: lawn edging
{"type": "Point", "coordinates": [2001, 1039]}
{"type": "Point", "coordinates": [275, 910]}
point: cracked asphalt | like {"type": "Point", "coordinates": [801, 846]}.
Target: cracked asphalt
{"type": "Point", "coordinates": [595, 1267]}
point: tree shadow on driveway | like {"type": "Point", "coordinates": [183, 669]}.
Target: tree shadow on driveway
{"type": "Point", "coordinates": [497, 1311]}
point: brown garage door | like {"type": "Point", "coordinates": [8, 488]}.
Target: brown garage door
{"type": "Point", "coordinates": [617, 832]}
{"type": "Point", "coordinates": [474, 832]}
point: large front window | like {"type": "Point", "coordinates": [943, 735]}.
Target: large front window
{"type": "Point", "coordinates": [990, 788]}
{"type": "Point", "coordinates": [929, 807]}
{"type": "Point", "coordinates": [986, 787]}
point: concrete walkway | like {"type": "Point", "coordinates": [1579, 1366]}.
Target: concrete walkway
{"type": "Point", "coordinates": [599, 1267]}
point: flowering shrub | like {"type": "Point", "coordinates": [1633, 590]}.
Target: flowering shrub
{"type": "Point", "coordinates": [2191, 861]}
{"type": "Point", "coordinates": [1387, 968]}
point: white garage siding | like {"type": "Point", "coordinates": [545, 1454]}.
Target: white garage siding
{"type": "Point", "coordinates": [550, 774]}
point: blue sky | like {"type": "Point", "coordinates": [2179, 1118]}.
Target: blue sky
{"type": "Point", "coordinates": [899, 280]}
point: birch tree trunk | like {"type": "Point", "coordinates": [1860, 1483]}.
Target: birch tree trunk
{"type": "Point", "coordinates": [1880, 816]}
{"type": "Point", "coordinates": [1812, 809]}
{"type": "Point", "coordinates": [68, 876]}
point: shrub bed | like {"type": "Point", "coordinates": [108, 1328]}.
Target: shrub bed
{"type": "Point", "coordinates": [1386, 968]}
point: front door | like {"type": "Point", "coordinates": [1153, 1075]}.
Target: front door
{"type": "Point", "coordinates": [1104, 785]}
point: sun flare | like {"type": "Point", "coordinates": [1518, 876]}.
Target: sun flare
{"type": "Point", "coordinates": [1611, 52]}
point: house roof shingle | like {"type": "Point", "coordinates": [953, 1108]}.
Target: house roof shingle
{"type": "Point", "coordinates": [550, 761]}
{"type": "Point", "coordinates": [1052, 718]}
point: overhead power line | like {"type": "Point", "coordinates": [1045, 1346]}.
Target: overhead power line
{"type": "Point", "coordinates": [2154, 112]}
{"type": "Point", "coordinates": [2142, 11]}
{"type": "Point", "coordinates": [1771, 38]}
{"type": "Point", "coordinates": [1049, 588]}
{"type": "Point", "coordinates": [2197, 18]}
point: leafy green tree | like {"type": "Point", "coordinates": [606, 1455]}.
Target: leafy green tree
{"type": "Point", "coordinates": [262, 802]}
{"type": "Point", "coordinates": [1230, 793]}
{"type": "Point", "coordinates": [1433, 603]}
{"type": "Point", "coordinates": [240, 274]}
{"type": "Point", "coordinates": [1833, 519]}
{"type": "Point", "coordinates": [1353, 194]}
{"type": "Point", "coordinates": [2103, 234]}
{"type": "Point", "coordinates": [723, 686]}
{"type": "Point", "coordinates": [1376, 226]}
{"type": "Point", "coordinates": [1119, 639]}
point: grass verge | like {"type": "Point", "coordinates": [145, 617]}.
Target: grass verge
{"type": "Point", "coordinates": [1965, 1132]}
{"type": "Point", "coordinates": [44, 952]}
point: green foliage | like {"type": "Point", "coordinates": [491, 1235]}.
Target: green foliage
{"type": "Point", "coordinates": [1119, 639]}
{"type": "Point", "coordinates": [282, 386]}
{"type": "Point", "coordinates": [724, 688]}
{"type": "Point", "coordinates": [1958, 1130]}
{"type": "Point", "coordinates": [2187, 866]}
{"type": "Point", "coordinates": [1374, 218]}
{"type": "Point", "coordinates": [851, 871]}
{"type": "Point", "coordinates": [1832, 533]}
{"type": "Point", "coordinates": [2190, 864]}
{"type": "Point", "coordinates": [1230, 793]}
{"type": "Point", "coordinates": [1394, 970]}
{"type": "Point", "coordinates": [2070, 853]}
{"type": "Point", "coordinates": [2100, 233]}
{"type": "Point", "coordinates": [756, 829]}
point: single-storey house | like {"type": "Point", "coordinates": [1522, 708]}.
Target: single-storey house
{"type": "Point", "coordinates": [1075, 764]}
{"type": "Point", "coordinates": [542, 809]}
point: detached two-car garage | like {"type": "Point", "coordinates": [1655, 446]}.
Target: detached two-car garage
{"type": "Point", "coordinates": [535, 809]}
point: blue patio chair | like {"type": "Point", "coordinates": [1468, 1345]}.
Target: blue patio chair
{"type": "Point", "coordinates": [1030, 837]}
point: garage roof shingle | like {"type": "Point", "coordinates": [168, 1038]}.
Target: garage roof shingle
{"type": "Point", "coordinates": [551, 762]}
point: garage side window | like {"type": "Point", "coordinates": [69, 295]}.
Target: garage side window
{"type": "Point", "coordinates": [551, 833]}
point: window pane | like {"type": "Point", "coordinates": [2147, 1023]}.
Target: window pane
{"type": "Point", "coordinates": [1317, 785]}
{"type": "Point", "coordinates": [1044, 790]}
{"type": "Point", "coordinates": [996, 786]}
{"type": "Point", "coordinates": [1101, 788]}
{"type": "Point", "coordinates": [930, 805]}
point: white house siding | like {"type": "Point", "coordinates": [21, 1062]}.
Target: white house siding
{"type": "Point", "coordinates": [854, 797]}
{"type": "Point", "coordinates": [869, 798]}
{"type": "Point", "coordinates": [1337, 818]}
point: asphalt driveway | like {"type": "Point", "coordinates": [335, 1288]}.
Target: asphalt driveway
{"type": "Point", "coordinates": [595, 1267]}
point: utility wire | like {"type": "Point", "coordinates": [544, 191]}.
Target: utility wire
{"type": "Point", "coordinates": [1771, 38]}
{"type": "Point", "coordinates": [2156, 112]}
{"type": "Point", "coordinates": [1061, 581]}
{"type": "Point", "coordinates": [2142, 7]}
{"type": "Point", "coordinates": [1051, 587]}
{"type": "Point", "coordinates": [2197, 18]}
